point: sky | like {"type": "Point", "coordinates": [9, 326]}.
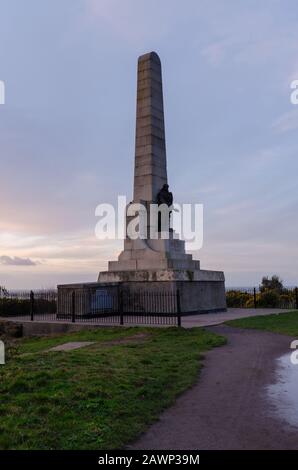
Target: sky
{"type": "Point", "coordinates": [68, 122]}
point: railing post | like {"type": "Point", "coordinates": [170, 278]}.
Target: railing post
{"type": "Point", "coordinates": [31, 305]}
{"type": "Point", "coordinates": [255, 298]}
{"type": "Point", "coordinates": [73, 306]}
{"type": "Point", "coordinates": [296, 297]}
{"type": "Point", "coordinates": [178, 308]}
{"type": "Point", "coordinates": [121, 306]}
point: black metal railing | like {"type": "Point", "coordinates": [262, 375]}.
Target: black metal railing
{"type": "Point", "coordinates": [117, 305]}
{"type": "Point", "coordinates": [101, 305]}
{"type": "Point", "coordinates": [286, 298]}
{"type": "Point", "coordinates": [28, 303]}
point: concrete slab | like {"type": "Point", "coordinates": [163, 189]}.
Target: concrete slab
{"type": "Point", "coordinates": [71, 346]}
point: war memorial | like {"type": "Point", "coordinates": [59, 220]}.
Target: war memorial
{"type": "Point", "coordinates": [156, 260]}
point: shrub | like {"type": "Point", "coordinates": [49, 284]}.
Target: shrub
{"type": "Point", "coordinates": [11, 307]}
{"type": "Point", "coordinates": [237, 299]}
{"type": "Point", "coordinates": [268, 299]}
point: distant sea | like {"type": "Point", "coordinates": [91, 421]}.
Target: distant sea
{"type": "Point", "coordinates": [249, 288]}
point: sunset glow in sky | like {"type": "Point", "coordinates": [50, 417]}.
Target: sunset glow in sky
{"type": "Point", "coordinates": [67, 130]}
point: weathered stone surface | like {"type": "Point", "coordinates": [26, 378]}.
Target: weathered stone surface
{"type": "Point", "coordinates": [163, 275]}
{"type": "Point", "coordinates": [10, 329]}
{"type": "Point", "coordinates": [150, 130]}
{"type": "Point", "coordinates": [149, 176]}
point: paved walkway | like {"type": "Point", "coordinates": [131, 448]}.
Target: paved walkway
{"type": "Point", "coordinates": [228, 408]}
{"type": "Point", "coordinates": [209, 319]}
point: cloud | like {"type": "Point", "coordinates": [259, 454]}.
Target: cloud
{"type": "Point", "coordinates": [215, 53]}
{"type": "Point", "coordinates": [70, 251]}
{"type": "Point", "coordinates": [16, 261]}
{"type": "Point", "coordinates": [130, 20]}
{"type": "Point", "coordinates": [230, 40]}
{"type": "Point", "coordinates": [235, 208]}
{"type": "Point", "coordinates": [286, 122]}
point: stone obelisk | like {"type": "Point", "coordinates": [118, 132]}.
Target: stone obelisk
{"type": "Point", "coordinates": [150, 264]}
{"type": "Point", "coordinates": [148, 259]}
{"type": "Point", "coordinates": [150, 150]}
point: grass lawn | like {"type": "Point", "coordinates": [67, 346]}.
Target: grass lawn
{"type": "Point", "coordinates": [284, 323]}
{"type": "Point", "coordinates": [98, 397]}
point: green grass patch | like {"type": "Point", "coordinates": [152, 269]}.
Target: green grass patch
{"type": "Point", "coordinates": [98, 397]}
{"type": "Point", "coordinates": [284, 323]}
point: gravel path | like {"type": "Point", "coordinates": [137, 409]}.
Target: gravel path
{"type": "Point", "coordinates": [228, 408]}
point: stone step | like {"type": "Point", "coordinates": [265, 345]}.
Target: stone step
{"type": "Point", "coordinates": [153, 264]}
{"type": "Point", "coordinates": [127, 255]}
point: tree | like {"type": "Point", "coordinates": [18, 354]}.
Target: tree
{"type": "Point", "coordinates": [274, 284]}
{"type": "Point", "coordinates": [3, 292]}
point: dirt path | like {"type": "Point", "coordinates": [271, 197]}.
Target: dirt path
{"type": "Point", "coordinates": [228, 408]}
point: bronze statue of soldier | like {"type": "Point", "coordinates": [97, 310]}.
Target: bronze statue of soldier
{"type": "Point", "coordinates": [164, 196]}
